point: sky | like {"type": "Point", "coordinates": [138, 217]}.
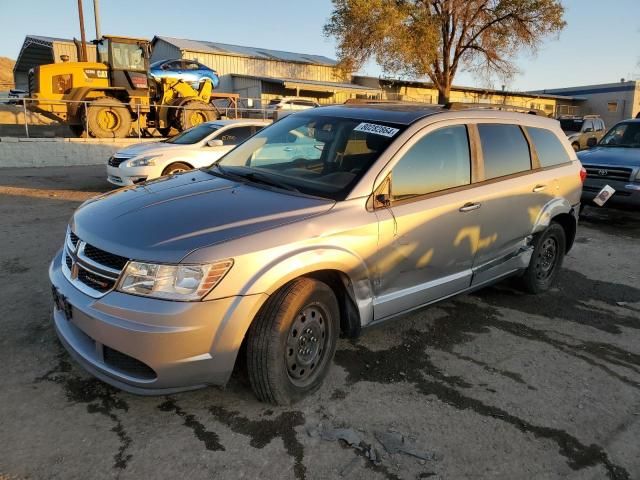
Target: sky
{"type": "Point", "coordinates": [600, 44]}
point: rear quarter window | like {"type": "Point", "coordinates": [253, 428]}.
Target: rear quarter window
{"type": "Point", "coordinates": [505, 150]}
{"type": "Point", "coordinates": [548, 147]}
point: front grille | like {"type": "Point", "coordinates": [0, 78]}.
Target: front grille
{"type": "Point", "coordinates": [116, 161]}
{"type": "Point", "coordinates": [608, 173]}
{"type": "Point", "coordinates": [74, 238]}
{"type": "Point", "coordinates": [104, 258]}
{"type": "Point", "coordinates": [126, 364]}
{"type": "Point", "coordinates": [96, 282]}
{"type": "Point", "coordinates": [90, 269]}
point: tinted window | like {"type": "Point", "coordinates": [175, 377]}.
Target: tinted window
{"type": "Point", "coordinates": [588, 124]}
{"type": "Point", "coordinates": [505, 150]}
{"type": "Point", "coordinates": [550, 150]}
{"type": "Point", "coordinates": [191, 66]}
{"type": "Point", "coordinates": [438, 161]}
{"type": "Point", "coordinates": [599, 125]}
{"type": "Point", "coordinates": [235, 135]}
{"type": "Point", "coordinates": [194, 134]}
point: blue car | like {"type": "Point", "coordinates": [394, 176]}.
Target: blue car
{"type": "Point", "coordinates": [189, 71]}
{"type": "Point", "coordinates": [614, 161]}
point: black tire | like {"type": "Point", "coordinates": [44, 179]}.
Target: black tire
{"type": "Point", "coordinates": [176, 167]}
{"type": "Point", "coordinates": [108, 118]}
{"type": "Point", "coordinates": [576, 146]}
{"type": "Point", "coordinates": [546, 260]}
{"type": "Point", "coordinates": [192, 113]}
{"type": "Point", "coordinates": [284, 362]}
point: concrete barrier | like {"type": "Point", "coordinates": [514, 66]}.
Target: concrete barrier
{"type": "Point", "coordinates": [60, 152]}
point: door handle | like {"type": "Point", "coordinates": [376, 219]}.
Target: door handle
{"type": "Point", "coordinates": [468, 207]}
{"type": "Point", "coordinates": [539, 188]}
{"type": "Point", "coordinates": [288, 149]}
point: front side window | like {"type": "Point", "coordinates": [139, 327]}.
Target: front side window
{"type": "Point", "coordinates": [127, 56]}
{"type": "Point", "coordinates": [588, 126]}
{"type": "Point", "coordinates": [505, 150]}
{"type": "Point", "coordinates": [438, 161]}
{"type": "Point", "coordinates": [193, 135]}
{"type": "Point", "coordinates": [549, 149]}
{"type": "Point", "coordinates": [571, 124]}
{"type": "Point", "coordinates": [324, 156]}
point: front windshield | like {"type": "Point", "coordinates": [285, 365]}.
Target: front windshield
{"type": "Point", "coordinates": [571, 124]}
{"type": "Point", "coordinates": [623, 135]}
{"type": "Point", "coordinates": [193, 135]}
{"type": "Point", "coordinates": [315, 155]}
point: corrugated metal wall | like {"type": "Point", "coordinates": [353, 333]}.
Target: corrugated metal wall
{"type": "Point", "coordinates": [163, 51]}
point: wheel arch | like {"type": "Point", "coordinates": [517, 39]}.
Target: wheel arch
{"type": "Point", "coordinates": [560, 211]}
{"type": "Point", "coordinates": [173, 161]}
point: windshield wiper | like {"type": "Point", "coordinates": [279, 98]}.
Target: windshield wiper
{"type": "Point", "coordinates": [258, 177]}
{"type": "Point", "coordinates": [255, 177]}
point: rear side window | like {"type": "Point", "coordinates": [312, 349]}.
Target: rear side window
{"type": "Point", "coordinates": [550, 150]}
{"type": "Point", "coordinates": [235, 135]}
{"type": "Point", "coordinates": [505, 150]}
{"type": "Point", "coordinates": [438, 161]}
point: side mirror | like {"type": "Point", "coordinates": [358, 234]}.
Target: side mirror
{"type": "Point", "coordinates": [383, 200]}
{"type": "Point", "coordinates": [215, 143]}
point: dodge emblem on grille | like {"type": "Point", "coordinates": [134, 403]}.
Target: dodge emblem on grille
{"type": "Point", "coordinates": [603, 173]}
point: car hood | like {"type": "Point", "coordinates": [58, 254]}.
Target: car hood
{"type": "Point", "coordinates": [150, 147]}
{"type": "Point", "coordinates": [628, 157]}
{"type": "Point", "coordinates": [166, 219]}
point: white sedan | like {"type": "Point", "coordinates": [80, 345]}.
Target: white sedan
{"type": "Point", "coordinates": [197, 147]}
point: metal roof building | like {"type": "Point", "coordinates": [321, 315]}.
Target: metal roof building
{"type": "Point", "coordinates": [261, 73]}
{"type": "Point", "coordinates": [38, 50]}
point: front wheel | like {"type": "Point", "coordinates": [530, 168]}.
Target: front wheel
{"type": "Point", "coordinates": [576, 146]}
{"type": "Point", "coordinates": [546, 260]}
{"type": "Point", "coordinates": [292, 341]}
{"type": "Point", "coordinates": [176, 167]}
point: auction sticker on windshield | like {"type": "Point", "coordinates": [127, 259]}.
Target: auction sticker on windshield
{"type": "Point", "coordinates": [376, 129]}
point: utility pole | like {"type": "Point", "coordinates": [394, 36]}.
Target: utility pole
{"type": "Point", "coordinates": [96, 16]}
{"type": "Point", "coordinates": [83, 37]}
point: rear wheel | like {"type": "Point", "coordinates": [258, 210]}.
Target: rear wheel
{"type": "Point", "coordinates": [108, 118]}
{"type": "Point", "coordinates": [292, 341]}
{"type": "Point", "coordinates": [176, 167]}
{"type": "Point", "coordinates": [546, 260]}
{"type": "Point", "coordinates": [192, 113]}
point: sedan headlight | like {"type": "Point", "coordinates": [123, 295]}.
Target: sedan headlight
{"type": "Point", "coordinates": [173, 282]}
{"type": "Point", "coordinates": [142, 162]}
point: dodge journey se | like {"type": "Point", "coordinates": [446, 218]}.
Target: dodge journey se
{"type": "Point", "coordinates": [280, 250]}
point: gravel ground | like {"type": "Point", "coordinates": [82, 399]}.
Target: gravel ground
{"type": "Point", "coordinates": [496, 384]}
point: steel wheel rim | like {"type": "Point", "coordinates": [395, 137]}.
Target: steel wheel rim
{"type": "Point", "coordinates": [108, 120]}
{"type": "Point", "coordinates": [176, 170]}
{"type": "Point", "coordinates": [307, 344]}
{"type": "Point", "coordinates": [547, 258]}
{"type": "Point", "coordinates": [196, 118]}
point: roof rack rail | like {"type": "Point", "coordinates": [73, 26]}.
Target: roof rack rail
{"type": "Point", "coordinates": [493, 106]}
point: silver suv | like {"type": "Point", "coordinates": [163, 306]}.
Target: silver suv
{"type": "Point", "coordinates": [388, 209]}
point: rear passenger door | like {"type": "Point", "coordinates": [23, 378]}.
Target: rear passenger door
{"type": "Point", "coordinates": [512, 190]}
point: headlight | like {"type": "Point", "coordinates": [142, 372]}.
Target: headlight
{"type": "Point", "coordinates": [142, 162]}
{"type": "Point", "coordinates": [173, 282]}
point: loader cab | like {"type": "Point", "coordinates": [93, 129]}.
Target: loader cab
{"type": "Point", "coordinates": [128, 61]}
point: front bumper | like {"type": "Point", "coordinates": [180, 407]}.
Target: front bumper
{"type": "Point", "coordinates": [627, 193]}
{"type": "Point", "coordinates": [127, 176]}
{"type": "Point", "coordinates": [149, 346]}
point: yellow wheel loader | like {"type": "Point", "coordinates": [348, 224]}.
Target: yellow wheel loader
{"type": "Point", "coordinates": [114, 96]}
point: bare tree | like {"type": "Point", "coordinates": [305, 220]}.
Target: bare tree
{"type": "Point", "coordinates": [435, 38]}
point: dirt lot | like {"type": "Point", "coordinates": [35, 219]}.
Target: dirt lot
{"type": "Point", "coordinates": [491, 385]}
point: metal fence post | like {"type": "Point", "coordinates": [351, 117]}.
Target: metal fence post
{"type": "Point", "coordinates": [138, 114]}
{"type": "Point", "coordinates": [26, 120]}
{"type": "Point", "coordinates": [86, 121]}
